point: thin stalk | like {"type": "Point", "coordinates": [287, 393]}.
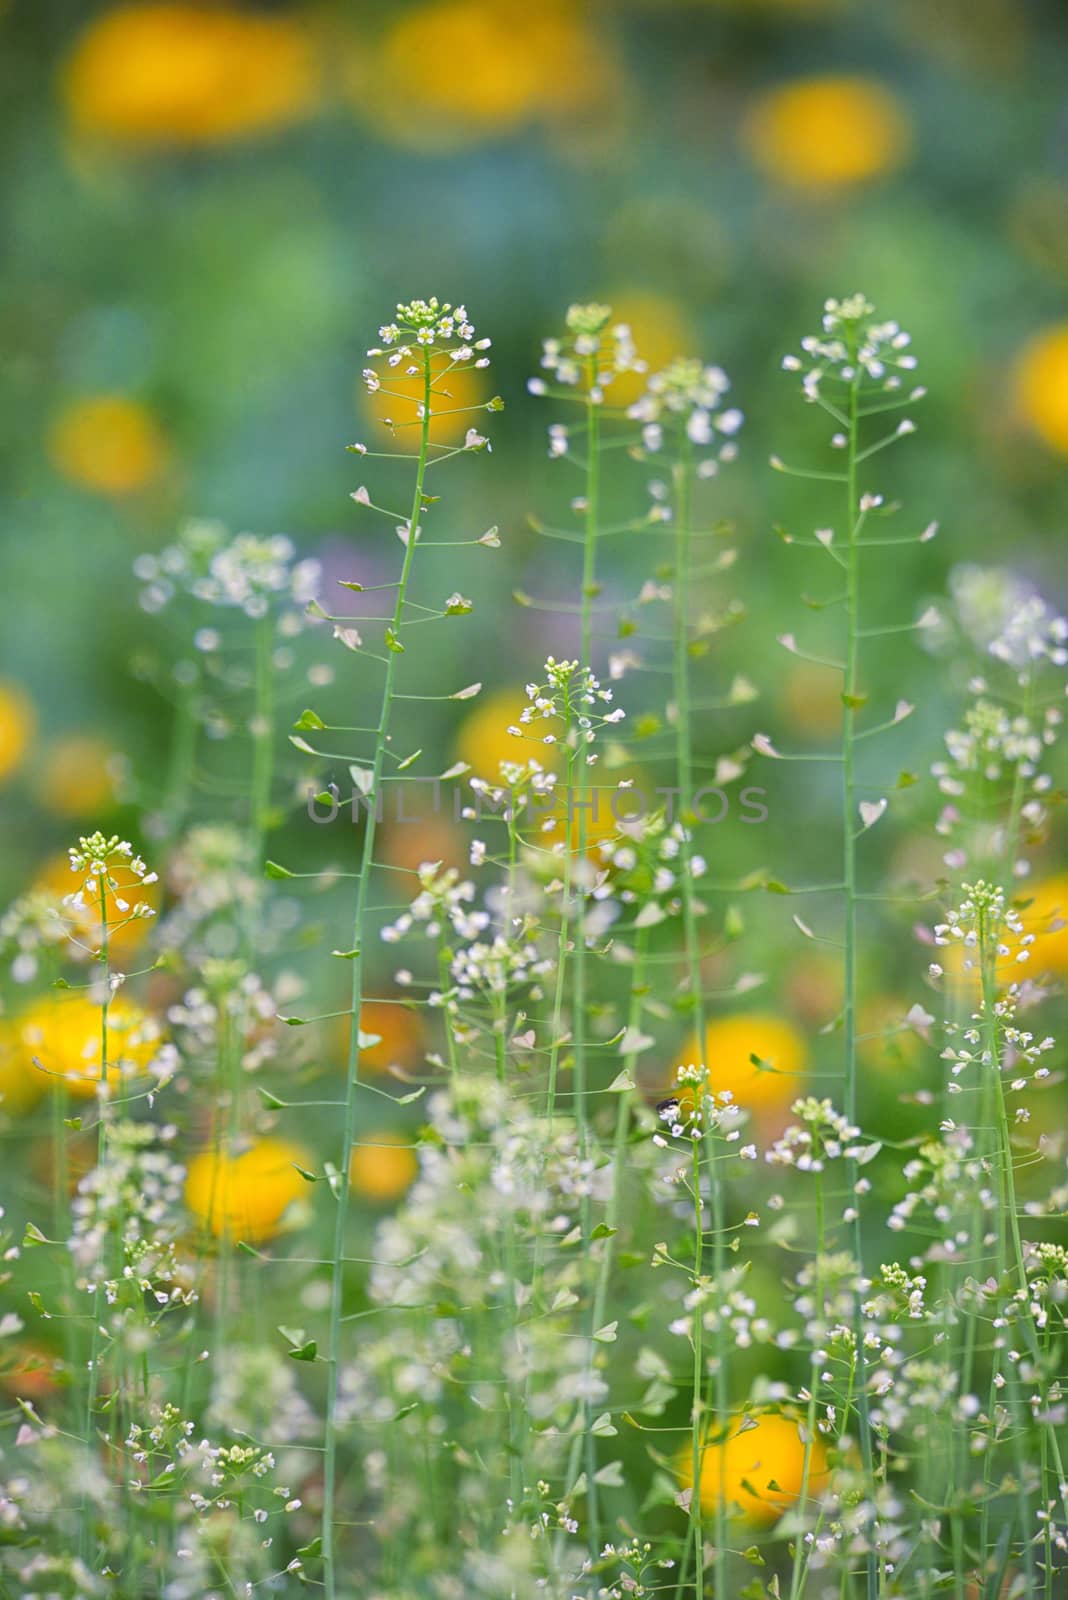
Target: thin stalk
{"type": "Point", "coordinates": [262, 741]}
{"type": "Point", "coordinates": [802, 1550]}
{"type": "Point", "coordinates": [353, 1073]}
{"type": "Point", "coordinates": [578, 1021]}
{"type": "Point", "coordinates": [93, 1385]}
{"type": "Point", "coordinates": [683, 487]}
{"type": "Point", "coordinates": [182, 759]}
{"type": "Point", "coordinates": [615, 1199]}
{"type": "Point", "coordinates": [698, 1430]}
{"type": "Point", "coordinates": [849, 875]}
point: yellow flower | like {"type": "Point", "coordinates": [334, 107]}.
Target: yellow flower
{"type": "Point", "coordinates": [108, 444]}
{"type": "Point", "coordinates": [827, 133]}
{"type": "Point", "coordinates": [64, 1035]}
{"type": "Point", "coordinates": [400, 1034]}
{"type": "Point", "coordinates": [75, 780]}
{"type": "Point", "coordinates": [454, 71]}
{"type": "Point", "coordinates": [729, 1044]}
{"type": "Point", "coordinates": [18, 723]}
{"type": "Point", "coordinates": [85, 923]}
{"type": "Point", "coordinates": [245, 1196]}
{"type": "Point", "coordinates": [758, 1470]}
{"type": "Point", "coordinates": [21, 1083]}
{"type": "Point", "coordinates": [148, 75]}
{"type": "Point", "coordinates": [383, 1168]}
{"type": "Point", "coordinates": [1042, 385]}
{"type": "Point", "coordinates": [484, 741]}
{"type": "Point", "coordinates": [1047, 907]}
{"type": "Point", "coordinates": [453, 396]}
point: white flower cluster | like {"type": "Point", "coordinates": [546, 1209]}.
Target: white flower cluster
{"type": "Point", "coordinates": [1031, 633]}
{"type": "Point", "coordinates": [234, 1005]}
{"type": "Point", "coordinates": [978, 925]}
{"type": "Point", "coordinates": [697, 1108]}
{"type": "Point", "coordinates": [647, 860]}
{"type": "Point", "coordinates": [594, 352]}
{"type": "Point", "coordinates": [991, 738]}
{"type": "Point", "coordinates": [822, 1134]}
{"type": "Point", "coordinates": [430, 325]}
{"type": "Point", "coordinates": [234, 572]}
{"type": "Point", "coordinates": [685, 397]}
{"type": "Point", "coordinates": [134, 1194]}
{"type": "Point", "coordinates": [444, 900]}
{"type": "Point", "coordinates": [496, 968]}
{"type": "Point", "coordinates": [215, 895]}
{"type": "Point", "coordinates": [853, 346]}
{"type": "Point", "coordinates": [563, 702]}
{"type": "Point", "coordinates": [31, 924]}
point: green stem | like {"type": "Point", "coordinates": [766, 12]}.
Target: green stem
{"type": "Point", "coordinates": [353, 1072]}
{"type": "Point", "coordinates": [849, 875]}
{"type": "Point", "coordinates": [262, 741]}
{"type": "Point", "coordinates": [801, 1549]}
{"type": "Point", "coordinates": [683, 486]}
{"type": "Point", "coordinates": [93, 1386]}
{"type": "Point", "coordinates": [183, 754]}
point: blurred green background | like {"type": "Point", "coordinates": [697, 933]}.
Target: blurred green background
{"type": "Point", "coordinates": [210, 209]}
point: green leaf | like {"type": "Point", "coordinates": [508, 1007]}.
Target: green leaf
{"type": "Point", "coordinates": [309, 719]}
{"type": "Point", "coordinates": [271, 1101]}
{"type": "Point", "coordinates": [611, 1476]}
{"type": "Point", "coordinates": [408, 760]}
{"type": "Point", "coordinates": [603, 1427]}
{"type": "Point", "coordinates": [294, 1022]}
{"type": "Point", "coordinates": [304, 1352]}
{"type": "Point", "coordinates": [271, 869]}
{"type": "Point", "coordinates": [392, 642]}
{"type": "Point", "coordinates": [309, 1177]}
{"type": "Point", "coordinates": [74, 1123]}
{"type": "Point", "coordinates": [310, 1550]}
{"type": "Point", "coordinates": [607, 1334]}
{"type": "Point", "coordinates": [33, 1235]}
{"type": "Point", "coordinates": [603, 1231]}
{"type": "Point", "coordinates": [349, 583]}
{"type": "Point", "coordinates": [346, 955]}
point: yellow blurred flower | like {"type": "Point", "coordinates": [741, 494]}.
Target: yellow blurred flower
{"type": "Point", "coordinates": [85, 923]}
{"type": "Point", "coordinates": [1047, 908]}
{"type": "Point", "coordinates": [21, 1084]}
{"type": "Point", "coordinates": [1041, 382]}
{"type": "Point", "coordinates": [729, 1044]}
{"type": "Point", "coordinates": [149, 75]}
{"type": "Point", "coordinates": [18, 723]}
{"type": "Point", "coordinates": [484, 741]}
{"type": "Point", "coordinates": [64, 1035]}
{"type": "Point", "coordinates": [453, 396]}
{"type": "Point", "coordinates": [74, 778]}
{"type": "Point", "coordinates": [108, 444]}
{"type": "Point", "coordinates": [827, 133]}
{"type": "Point", "coordinates": [246, 1196]}
{"type": "Point", "coordinates": [454, 71]}
{"type": "Point", "coordinates": [400, 1034]}
{"type": "Point", "coordinates": [383, 1168]}
{"type": "Point", "coordinates": [744, 1467]}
